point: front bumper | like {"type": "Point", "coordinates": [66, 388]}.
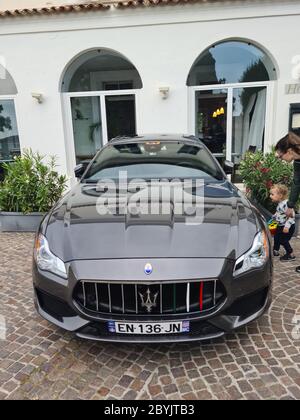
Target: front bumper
{"type": "Point", "coordinates": [247, 298]}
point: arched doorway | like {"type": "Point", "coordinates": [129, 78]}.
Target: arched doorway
{"type": "Point", "coordinates": [230, 88]}
{"type": "Point", "coordinates": [9, 135]}
{"type": "Point", "coordinates": [99, 89]}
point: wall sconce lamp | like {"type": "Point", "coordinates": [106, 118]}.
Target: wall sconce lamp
{"type": "Point", "coordinates": [38, 96]}
{"type": "Point", "coordinates": [164, 91]}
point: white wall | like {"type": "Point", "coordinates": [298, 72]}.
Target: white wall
{"type": "Point", "coordinates": [162, 42]}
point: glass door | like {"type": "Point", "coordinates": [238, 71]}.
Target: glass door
{"type": "Point", "coordinates": [87, 126]}
{"type": "Point", "coordinates": [248, 123]}
{"type": "Point", "coordinates": [211, 120]}
{"type": "Point", "coordinates": [98, 118]}
{"type": "Point", "coordinates": [120, 115]}
{"type": "Point", "coordinates": [232, 120]}
{"type": "Point", "coordinates": [9, 135]}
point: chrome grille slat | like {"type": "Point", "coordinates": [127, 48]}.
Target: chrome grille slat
{"type": "Point", "coordinates": [109, 297]}
{"type": "Point", "coordinates": [215, 292]}
{"type": "Point", "coordinates": [84, 294]}
{"type": "Point", "coordinates": [136, 300]}
{"type": "Point", "coordinates": [174, 297]}
{"type": "Point", "coordinates": [127, 298]}
{"type": "Point", "coordinates": [188, 297]}
{"type": "Point", "coordinates": [123, 299]}
{"type": "Point", "coordinates": [97, 300]}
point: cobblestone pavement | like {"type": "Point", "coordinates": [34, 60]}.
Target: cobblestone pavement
{"type": "Point", "coordinates": [39, 361]}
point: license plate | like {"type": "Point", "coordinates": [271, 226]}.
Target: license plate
{"type": "Point", "coordinates": [148, 328]}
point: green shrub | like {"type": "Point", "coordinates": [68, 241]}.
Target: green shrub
{"type": "Point", "coordinates": [260, 172]}
{"type": "Point", "coordinates": [30, 184]}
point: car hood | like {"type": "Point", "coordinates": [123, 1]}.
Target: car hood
{"type": "Point", "coordinates": [76, 231]}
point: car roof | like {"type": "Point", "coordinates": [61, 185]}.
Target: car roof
{"type": "Point", "coordinates": [156, 137]}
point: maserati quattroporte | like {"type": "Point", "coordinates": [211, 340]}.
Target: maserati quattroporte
{"type": "Point", "coordinates": [153, 244]}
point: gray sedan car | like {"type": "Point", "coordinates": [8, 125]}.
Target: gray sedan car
{"type": "Point", "coordinates": [153, 244]}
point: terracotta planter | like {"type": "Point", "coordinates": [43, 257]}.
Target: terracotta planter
{"type": "Point", "coordinates": [19, 222]}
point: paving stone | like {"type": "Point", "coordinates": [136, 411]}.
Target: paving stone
{"type": "Point", "coordinates": [130, 395]}
{"type": "Point", "coordinates": [178, 372]}
{"type": "Point", "coordinates": [103, 391]}
{"type": "Point", "coordinates": [169, 389]}
{"type": "Point", "coordinates": [204, 395]}
{"type": "Point", "coordinates": [126, 380]}
{"type": "Point", "coordinates": [154, 390]}
{"type": "Point", "coordinates": [189, 396]}
{"type": "Point", "coordinates": [166, 380]}
{"type": "Point", "coordinates": [295, 391]}
{"type": "Point", "coordinates": [70, 394]}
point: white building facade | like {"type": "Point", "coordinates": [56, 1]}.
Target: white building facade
{"type": "Point", "coordinates": [72, 79]}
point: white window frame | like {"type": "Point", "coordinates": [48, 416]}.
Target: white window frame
{"type": "Point", "coordinates": [13, 98]}
{"type": "Point", "coordinates": [269, 120]}
{"type": "Point", "coordinates": [68, 122]}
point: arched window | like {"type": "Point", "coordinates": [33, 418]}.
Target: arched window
{"type": "Point", "coordinates": [9, 136]}
{"type": "Point", "coordinates": [101, 86]}
{"type": "Point", "coordinates": [231, 62]}
{"type": "Point", "coordinates": [230, 115]}
{"type": "Point", "coordinates": [100, 70]}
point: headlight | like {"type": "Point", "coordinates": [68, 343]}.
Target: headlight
{"type": "Point", "coordinates": [255, 257]}
{"type": "Point", "coordinates": [46, 260]}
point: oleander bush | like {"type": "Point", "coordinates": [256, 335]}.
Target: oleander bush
{"type": "Point", "coordinates": [31, 184]}
{"type": "Point", "coordinates": [260, 172]}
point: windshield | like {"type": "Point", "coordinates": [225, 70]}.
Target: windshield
{"type": "Point", "coordinates": [154, 160]}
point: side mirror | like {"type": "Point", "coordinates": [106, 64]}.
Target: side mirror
{"type": "Point", "coordinates": [81, 168]}
{"type": "Point", "coordinates": [228, 167]}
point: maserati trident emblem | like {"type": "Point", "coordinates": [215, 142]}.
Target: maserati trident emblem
{"type": "Point", "coordinates": [148, 269]}
{"type": "Point", "coordinates": [148, 301]}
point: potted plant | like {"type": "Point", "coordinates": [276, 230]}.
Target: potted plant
{"type": "Point", "coordinates": [29, 190]}
{"type": "Point", "coordinates": [260, 172]}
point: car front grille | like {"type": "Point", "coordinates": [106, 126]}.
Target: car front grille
{"type": "Point", "coordinates": [149, 299]}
